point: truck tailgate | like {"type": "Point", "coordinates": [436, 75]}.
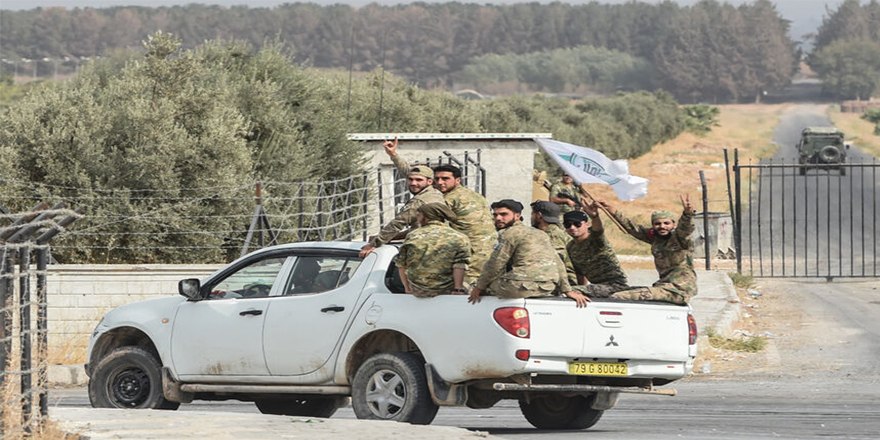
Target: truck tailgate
{"type": "Point", "coordinates": [608, 329]}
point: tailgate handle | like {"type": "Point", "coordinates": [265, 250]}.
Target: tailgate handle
{"type": "Point", "coordinates": [610, 318]}
{"type": "Point", "coordinates": [251, 312]}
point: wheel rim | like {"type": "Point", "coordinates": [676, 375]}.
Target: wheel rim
{"type": "Point", "coordinates": [130, 388]}
{"type": "Point", "coordinates": [386, 394]}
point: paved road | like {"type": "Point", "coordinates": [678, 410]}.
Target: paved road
{"type": "Point", "coordinates": [819, 378]}
{"type": "Point", "coordinates": [822, 224]}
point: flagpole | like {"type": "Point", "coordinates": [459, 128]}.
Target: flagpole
{"type": "Point", "coordinates": [585, 193]}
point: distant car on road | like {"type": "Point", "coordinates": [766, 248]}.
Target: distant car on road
{"type": "Point", "coordinates": [823, 146]}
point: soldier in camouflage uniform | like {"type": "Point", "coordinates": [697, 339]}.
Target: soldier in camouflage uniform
{"type": "Point", "coordinates": [434, 257]}
{"type": "Point", "coordinates": [545, 216]}
{"type": "Point", "coordinates": [419, 182]}
{"type": "Point", "coordinates": [673, 253]}
{"type": "Point", "coordinates": [591, 254]}
{"type": "Point", "coordinates": [565, 194]}
{"type": "Point", "coordinates": [523, 264]}
{"type": "Point", "coordinates": [472, 215]}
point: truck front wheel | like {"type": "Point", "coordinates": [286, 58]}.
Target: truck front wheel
{"type": "Point", "coordinates": [560, 412]}
{"type": "Point", "coordinates": [393, 386]}
{"type": "Point", "coordinates": [129, 377]}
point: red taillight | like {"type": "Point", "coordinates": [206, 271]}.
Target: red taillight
{"type": "Point", "coordinates": [515, 320]}
{"type": "Point", "coordinates": [692, 330]}
{"type": "Point", "coordinates": [523, 355]}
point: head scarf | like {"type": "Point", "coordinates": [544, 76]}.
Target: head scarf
{"type": "Point", "coordinates": [656, 215]}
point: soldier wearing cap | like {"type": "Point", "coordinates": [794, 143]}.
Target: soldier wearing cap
{"type": "Point", "coordinates": [419, 182]}
{"type": "Point", "coordinates": [591, 255]}
{"type": "Point", "coordinates": [523, 264]}
{"type": "Point", "coordinates": [433, 259]}
{"type": "Point", "coordinates": [472, 215]}
{"type": "Point", "coordinates": [564, 194]}
{"type": "Point", "coordinates": [545, 216]}
{"type": "Point", "coordinates": [673, 253]}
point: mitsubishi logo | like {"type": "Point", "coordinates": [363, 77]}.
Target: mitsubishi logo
{"type": "Point", "coordinates": [611, 342]}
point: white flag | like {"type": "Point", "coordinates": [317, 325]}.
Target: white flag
{"type": "Point", "coordinates": [585, 165]}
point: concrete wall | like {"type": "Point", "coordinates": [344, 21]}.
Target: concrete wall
{"type": "Point", "coordinates": [79, 295]}
{"type": "Point", "coordinates": [508, 163]}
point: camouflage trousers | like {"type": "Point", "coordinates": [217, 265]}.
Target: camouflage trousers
{"type": "Point", "coordinates": [654, 293]}
{"type": "Point", "coordinates": [505, 288]}
{"type": "Point", "coordinates": [601, 290]}
{"type": "Point", "coordinates": [426, 293]}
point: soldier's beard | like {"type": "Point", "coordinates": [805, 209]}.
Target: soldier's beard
{"type": "Point", "coordinates": [501, 225]}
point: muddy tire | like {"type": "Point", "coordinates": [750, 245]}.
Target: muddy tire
{"type": "Point", "coordinates": [129, 377]}
{"type": "Point", "coordinates": [305, 406]}
{"type": "Point", "coordinates": [560, 412]}
{"type": "Point", "coordinates": [393, 386]}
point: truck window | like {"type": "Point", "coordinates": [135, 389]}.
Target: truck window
{"type": "Point", "coordinates": [320, 274]}
{"type": "Point", "coordinates": [252, 281]}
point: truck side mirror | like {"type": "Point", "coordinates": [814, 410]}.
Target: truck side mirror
{"type": "Point", "coordinates": [189, 288]}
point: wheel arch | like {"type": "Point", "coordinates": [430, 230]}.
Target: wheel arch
{"type": "Point", "coordinates": [124, 336]}
{"type": "Point", "coordinates": [378, 341]}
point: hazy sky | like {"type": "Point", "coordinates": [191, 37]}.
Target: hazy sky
{"type": "Point", "coordinates": [806, 15]}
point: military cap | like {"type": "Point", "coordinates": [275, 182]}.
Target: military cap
{"type": "Point", "coordinates": [575, 216]}
{"type": "Point", "coordinates": [510, 204]}
{"type": "Point", "coordinates": [422, 170]}
{"type": "Point", "coordinates": [549, 211]}
{"type": "Point", "coordinates": [656, 215]}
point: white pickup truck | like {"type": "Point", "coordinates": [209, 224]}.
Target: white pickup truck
{"type": "Point", "coordinates": [299, 328]}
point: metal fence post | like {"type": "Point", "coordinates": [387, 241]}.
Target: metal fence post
{"type": "Point", "coordinates": [737, 226]}
{"type": "Point", "coordinates": [705, 220]}
{"type": "Point", "coordinates": [24, 300]}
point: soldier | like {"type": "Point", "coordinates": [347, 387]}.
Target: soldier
{"type": "Point", "coordinates": [472, 215]}
{"type": "Point", "coordinates": [434, 257]}
{"type": "Point", "coordinates": [419, 181]}
{"type": "Point", "coordinates": [591, 254]}
{"type": "Point", "coordinates": [545, 216]}
{"type": "Point", "coordinates": [523, 264]}
{"type": "Point", "coordinates": [673, 253]}
{"type": "Point", "coordinates": [565, 194]}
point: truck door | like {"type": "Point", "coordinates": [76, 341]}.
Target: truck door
{"type": "Point", "coordinates": [306, 323]}
{"type": "Point", "coordinates": [221, 335]}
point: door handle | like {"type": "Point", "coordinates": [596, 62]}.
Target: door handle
{"type": "Point", "coordinates": [251, 312]}
{"type": "Point", "coordinates": [333, 309]}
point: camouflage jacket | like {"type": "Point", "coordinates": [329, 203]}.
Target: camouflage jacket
{"type": "Point", "coordinates": [594, 259]}
{"type": "Point", "coordinates": [559, 239]}
{"type": "Point", "coordinates": [430, 253]}
{"type": "Point", "coordinates": [474, 218]}
{"type": "Point", "coordinates": [673, 254]}
{"type": "Point", "coordinates": [569, 191]}
{"type": "Point", "coordinates": [407, 217]}
{"type": "Point", "coordinates": [524, 253]}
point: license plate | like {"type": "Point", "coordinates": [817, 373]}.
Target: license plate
{"type": "Point", "coordinates": [597, 368]}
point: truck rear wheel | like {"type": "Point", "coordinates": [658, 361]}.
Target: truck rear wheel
{"type": "Point", "coordinates": [128, 377]}
{"type": "Point", "coordinates": [312, 406]}
{"type": "Point", "coordinates": [560, 412]}
{"type": "Point", "coordinates": [393, 386]}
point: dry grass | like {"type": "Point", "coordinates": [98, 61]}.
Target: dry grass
{"type": "Point", "coordinates": [12, 425]}
{"type": "Point", "coordinates": [673, 167]}
{"type": "Point", "coordinates": [68, 349]}
{"type": "Point", "coordinates": [855, 127]}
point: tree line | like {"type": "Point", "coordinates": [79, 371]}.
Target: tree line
{"type": "Point", "coordinates": [709, 51]}
{"type": "Point", "coordinates": [847, 52]}
{"type": "Point", "coordinates": [145, 141]}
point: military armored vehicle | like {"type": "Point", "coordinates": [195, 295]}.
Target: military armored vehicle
{"type": "Point", "coordinates": [822, 145]}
